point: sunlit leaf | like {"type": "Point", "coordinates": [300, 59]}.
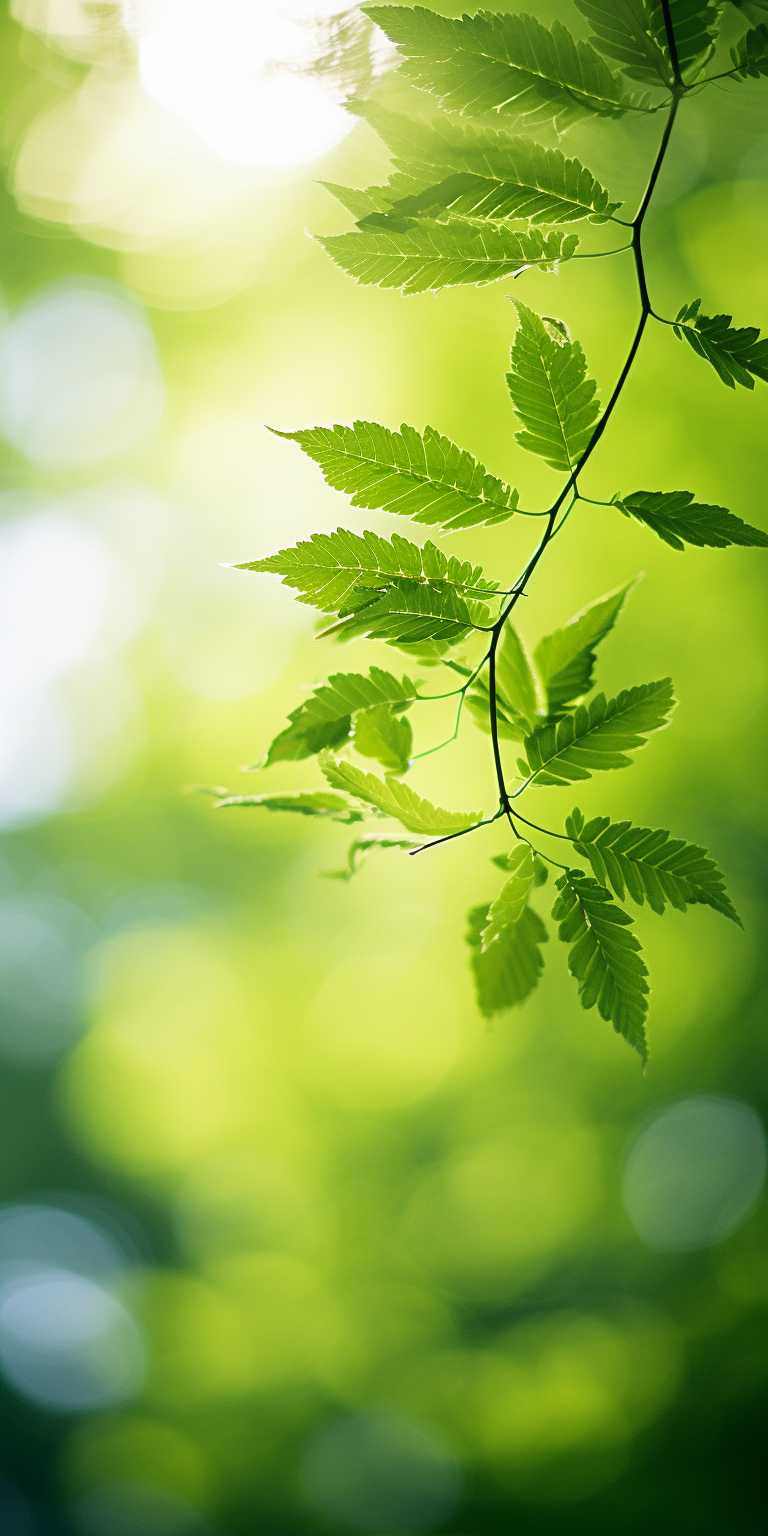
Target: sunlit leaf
{"type": "Point", "coordinates": [566, 658]}
{"type": "Point", "coordinates": [647, 864]}
{"type": "Point", "coordinates": [427, 256]}
{"type": "Point", "coordinates": [506, 911]}
{"type": "Point", "coordinates": [604, 955]}
{"type": "Point", "coordinates": [550, 390]}
{"type": "Point", "coordinates": [380, 734]}
{"type": "Point", "coordinates": [511, 64]}
{"type": "Point", "coordinates": [506, 974]}
{"type": "Point", "coordinates": [679, 520]}
{"type": "Point", "coordinates": [393, 798]}
{"type": "Point", "coordinates": [598, 736]}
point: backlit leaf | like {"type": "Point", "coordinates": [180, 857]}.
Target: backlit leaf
{"type": "Point", "coordinates": [647, 864]}
{"type": "Point", "coordinates": [566, 658]}
{"type": "Point", "coordinates": [679, 520]}
{"type": "Point", "coordinates": [550, 390]}
{"type": "Point", "coordinates": [394, 798]}
{"type": "Point", "coordinates": [598, 735]}
{"type": "Point", "coordinates": [380, 734]}
{"type": "Point", "coordinates": [506, 911]}
{"type": "Point", "coordinates": [604, 956]}
{"type": "Point", "coordinates": [506, 974]}
{"type": "Point", "coordinates": [507, 63]}
{"type": "Point", "coordinates": [738, 356]}
{"type": "Point", "coordinates": [325, 718]}
{"type": "Point", "coordinates": [427, 256]}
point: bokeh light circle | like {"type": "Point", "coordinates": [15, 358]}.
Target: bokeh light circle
{"type": "Point", "coordinates": [379, 1472]}
{"type": "Point", "coordinates": [693, 1175]}
{"type": "Point", "coordinates": [67, 1344]}
{"type": "Point", "coordinates": [79, 376]}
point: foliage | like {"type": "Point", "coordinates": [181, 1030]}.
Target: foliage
{"type": "Point", "coordinates": [473, 198]}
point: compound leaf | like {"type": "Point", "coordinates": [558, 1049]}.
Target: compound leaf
{"type": "Point", "coordinates": [411, 612]}
{"type": "Point", "coordinates": [736, 354]}
{"type": "Point", "coordinates": [566, 658]}
{"type": "Point", "coordinates": [750, 55]}
{"type": "Point", "coordinates": [393, 798]}
{"type": "Point", "coordinates": [598, 735]}
{"type": "Point", "coordinates": [506, 911]}
{"type": "Point", "coordinates": [426, 256]}
{"type": "Point", "coordinates": [380, 734]}
{"type": "Point", "coordinates": [604, 957]}
{"type": "Point", "coordinates": [477, 173]}
{"type": "Point", "coordinates": [507, 973]}
{"type": "Point", "coordinates": [504, 63]}
{"type": "Point", "coordinates": [419, 475]}
{"type": "Point", "coordinates": [325, 719]}
{"type": "Point", "coordinates": [306, 803]}
{"type": "Point", "coordinates": [628, 31]}
{"type": "Point", "coordinates": [646, 863]}
{"type": "Point", "coordinates": [679, 520]}
{"type": "Point", "coordinates": [550, 390]}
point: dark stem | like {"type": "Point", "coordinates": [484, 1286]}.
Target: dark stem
{"type": "Point", "coordinates": [520, 585]}
{"type": "Point", "coordinates": [666, 11]}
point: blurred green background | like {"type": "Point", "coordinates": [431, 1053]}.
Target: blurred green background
{"type": "Point", "coordinates": [291, 1241]}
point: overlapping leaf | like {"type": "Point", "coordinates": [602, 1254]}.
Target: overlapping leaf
{"type": "Point", "coordinates": [627, 30]}
{"type": "Point", "coordinates": [750, 54]}
{"type": "Point", "coordinates": [325, 718]}
{"type": "Point", "coordinates": [507, 63]}
{"type": "Point", "coordinates": [393, 798]}
{"type": "Point", "coordinates": [475, 172]}
{"type": "Point", "coordinates": [506, 911]}
{"type": "Point", "coordinates": [380, 734]}
{"type": "Point", "coordinates": [550, 390]}
{"type": "Point", "coordinates": [598, 736]}
{"type": "Point", "coordinates": [738, 355]}
{"type": "Point", "coordinates": [425, 256]}
{"type": "Point", "coordinates": [304, 802]}
{"type": "Point", "coordinates": [604, 957]}
{"type": "Point", "coordinates": [411, 612]}
{"type": "Point", "coordinates": [419, 475]}
{"type": "Point", "coordinates": [566, 658]}
{"type": "Point", "coordinates": [518, 701]}
{"type": "Point", "coordinates": [646, 863]}
{"type": "Point", "coordinates": [506, 974]}
{"type": "Point", "coordinates": [679, 520]}
{"type": "Point", "coordinates": [633, 32]}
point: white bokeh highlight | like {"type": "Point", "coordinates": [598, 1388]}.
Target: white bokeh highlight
{"type": "Point", "coordinates": [216, 64]}
{"type": "Point", "coordinates": [80, 380]}
{"type": "Point", "coordinates": [693, 1175]}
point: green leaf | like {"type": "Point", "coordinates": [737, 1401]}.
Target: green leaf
{"type": "Point", "coordinates": [411, 612]}
{"type": "Point", "coordinates": [426, 256]}
{"type": "Point", "coordinates": [566, 658]}
{"type": "Point", "coordinates": [517, 691]}
{"type": "Point", "coordinates": [510, 64]}
{"type": "Point", "coordinates": [393, 798]}
{"type": "Point", "coordinates": [478, 173]}
{"type": "Point", "coordinates": [679, 520]}
{"type": "Point", "coordinates": [506, 911]}
{"type": "Point", "coordinates": [550, 390]}
{"type": "Point", "coordinates": [751, 53]}
{"type": "Point", "coordinates": [695, 25]}
{"type": "Point", "coordinates": [597, 736]}
{"type": "Point", "coordinates": [507, 973]}
{"type": "Point", "coordinates": [754, 10]}
{"type": "Point", "coordinates": [628, 31]}
{"type": "Point", "coordinates": [380, 734]}
{"type": "Point", "coordinates": [735, 354]}
{"type": "Point", "coordinates": [648, 864]}
{"type": "Point", "coordinates": [605, 956]}
{"type": "Point", "coordinates": [425, 477]}
{"type": "Point", "coordinates": [306, 803]}
{"type": "Point", "coordinates": [325, 719]}
{"type": "Point", "coordinates": [332, 570]}
{"type": "Point", "coordinates": [359, 850]}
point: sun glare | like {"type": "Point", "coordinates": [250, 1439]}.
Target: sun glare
{"type": "Point", "coordinates": [231, 70]}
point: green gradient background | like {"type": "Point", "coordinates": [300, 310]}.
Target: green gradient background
{"type": "Point", "coordinates": [440, 1196]}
